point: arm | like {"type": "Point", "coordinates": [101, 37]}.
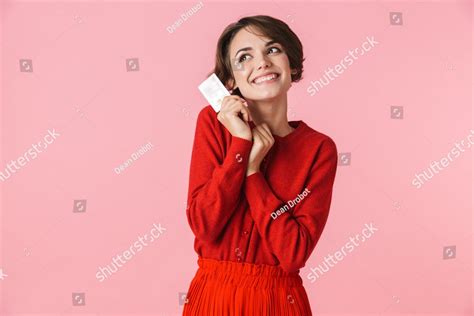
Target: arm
{"type": "Point", "coordinates": [293, 235]}
{"type": "Point", "coordinates": [215, 182]}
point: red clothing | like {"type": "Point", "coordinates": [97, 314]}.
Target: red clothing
{"type": "Point", "coordinates": [231, 214]}
{"type": "Point", "coordinates": [229, 288]}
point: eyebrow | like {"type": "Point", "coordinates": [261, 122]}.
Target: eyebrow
{"type": "Point", "coordinates": [250, 48]}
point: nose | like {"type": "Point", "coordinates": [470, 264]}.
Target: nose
{"type": "Point", "coordinates": [263, 62]}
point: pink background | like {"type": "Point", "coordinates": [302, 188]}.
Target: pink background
{"type": "Point", "coordinates": [81, 88]}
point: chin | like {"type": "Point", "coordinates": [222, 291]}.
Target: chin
{"type": "Point", "coordinates": [254, 93]}
{"type": "Point", "coordinates": [269, 96]}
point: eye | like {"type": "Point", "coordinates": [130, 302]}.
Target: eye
{"type": "Point", "coordinates": [278, 50]}
{"type": "Point", "coordinates": [242, 60]}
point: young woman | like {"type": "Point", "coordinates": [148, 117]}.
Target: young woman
{"type": "Point", "coordinates": [260, 187]}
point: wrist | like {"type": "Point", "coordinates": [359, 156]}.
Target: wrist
{"type": "Point", "coordinates": [251, 172]}
{"type": "Point", "coordinates": [249, 138]}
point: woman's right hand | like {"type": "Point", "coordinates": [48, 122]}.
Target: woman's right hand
{"type": "Point", "coordinates": [231, 107]}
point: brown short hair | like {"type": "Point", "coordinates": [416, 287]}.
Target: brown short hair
{"type": "Point", "coordinates": [272, 28]}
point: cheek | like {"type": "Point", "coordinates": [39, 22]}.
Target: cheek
{"type": "Point", "coordinates": [241, 77]}
{"type": "Point", "coordinates": [283, 62]}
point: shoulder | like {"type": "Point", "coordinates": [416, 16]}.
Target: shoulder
{"type": "Point", "coordinates": [207, 115]}
{"type": "Point", "coordinates": [208, 124]}
{"type": "Point", "coordinates": [207, 120]}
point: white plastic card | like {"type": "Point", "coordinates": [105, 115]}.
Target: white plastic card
{"type": "Point", "coordinates": [214, 91]}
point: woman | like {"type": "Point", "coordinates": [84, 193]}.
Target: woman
{"type": "Point", "coordinates": [260, 187]}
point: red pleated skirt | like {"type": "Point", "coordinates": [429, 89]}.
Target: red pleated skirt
{"type": "Point", "coordinates": [227, 288]}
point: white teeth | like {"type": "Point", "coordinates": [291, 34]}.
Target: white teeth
{"type": "Point", "coordinates": [269, 77]}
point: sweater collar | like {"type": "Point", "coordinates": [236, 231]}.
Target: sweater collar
{"type": "Point", "coordinates": [298, 126]}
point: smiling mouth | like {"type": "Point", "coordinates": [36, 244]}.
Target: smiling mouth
{"type": "Point", "coordinates": [266, 79]}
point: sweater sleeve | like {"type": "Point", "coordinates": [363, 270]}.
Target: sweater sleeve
{"type": "Point", "coordinates": [215, 180]}
{"type": "Point", "coordinates": [293, 235]}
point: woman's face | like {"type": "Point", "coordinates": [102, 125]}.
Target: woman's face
{"type": "Point", "coordinates": [251, 57]}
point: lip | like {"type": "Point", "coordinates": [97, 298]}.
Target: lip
{"type": "Point", "coordinates": [265, 74]}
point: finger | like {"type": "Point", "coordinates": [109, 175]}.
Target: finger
{"type": "Point", "coordinates": [267, 130]}
{"type": "Point", "coordinates": [257, 135]}
{"type": "Point", "coordinates": [250, 116]}
{"type": "Point", "coordinates": [228, 100]}
{"type": "Point", "coordinates": [245, 115]}
{"type": "Point", "coordinates": [263, 137]}
{"type": "Point", "coordinates": [233, 104]}
{"type": "Point", "coordinates": [245, 112]}
{"type": "Point", "coordinates": [270, 135]}
{"type": "Point", "coordinates": [239, 107]}
{"type": "Point", "coordinates": [265, 134]}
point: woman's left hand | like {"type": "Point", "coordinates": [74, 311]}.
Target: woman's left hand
{"type": "Point", "coordinates": [262, 142]}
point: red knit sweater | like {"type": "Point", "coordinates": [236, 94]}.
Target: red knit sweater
{"type": "Point", "coordinates": [274, 216]}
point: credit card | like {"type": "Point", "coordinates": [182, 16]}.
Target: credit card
{"type": "Point", "coordinates": [214, 91]}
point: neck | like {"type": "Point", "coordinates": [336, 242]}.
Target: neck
{"type": "Point", "coordinates": [273, 112]}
